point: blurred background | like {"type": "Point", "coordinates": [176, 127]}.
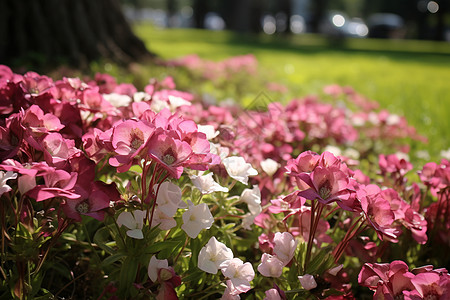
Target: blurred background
{"type": "Point", "coordinates": [400, 19]}
{"type": "Point", "coordinates": [394, 52]}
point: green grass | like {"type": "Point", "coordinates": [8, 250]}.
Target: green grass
{"type": "Point", "coordinates": [411, 78]}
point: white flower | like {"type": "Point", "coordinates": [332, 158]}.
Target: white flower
{"type": "Point", "coordinates": [5, 177]}
{"type": "Point", "coordinates": [253, 199]}
{"type": "Point", "coordinates": [165, 222]}
{"type": "Point", "coordinates": [351, 153]}
{"type": "Point", "coordinates": [154, 266]}
{"type": "Point", "coordinates": [269, 166]}
{"type": "Point", "coordinates": [141, 96]}
{"type": "Point", "coordinates": [175, 102]}
{"type": "Point", "coordinates": [158, 105]}
{"type": "Point", "coordinates": [117, 100]}
{"type": "Point", "coordinates": [206, 184]}
{"type": "Point", "coordinates": [248, 220]}
{"type": "Point", "coordinates": [402, 155]}
{"type": "Point", "coordinates": [445, 154]}
{"type": "Point", "coordinates": [168, 198]}
{"type": "Point", "coordinates": [373, 118]}
{"type": "Point", "coordinates": [134, 221]}
{"type": "Point", "coordinates": [238, 169]}
{"type": "Point", "coordinates": [208, 130]}
{"type": "Point", "coordinates": [26, 183]}
{"type": "Point", "coordinates": [307, 281]}
{"type": "Point", "coordinates": [423, 154]}
{"type": "Point", "coordinates": [196, 218]}
{"type": "Point", "coordinates": [333, 149]}
{"type": "Point", "coordinates": [213, 255]}
{"type": "Point", "coordinates": [239, 273]}
{"type": "Point", "coordinates": [393, 119]}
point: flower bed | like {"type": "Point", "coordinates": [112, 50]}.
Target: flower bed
{"type": "Point", "coordinates": [108, 192]}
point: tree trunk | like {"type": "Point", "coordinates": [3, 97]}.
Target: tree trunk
{"type": "Point", "coordinates": [50, 32]}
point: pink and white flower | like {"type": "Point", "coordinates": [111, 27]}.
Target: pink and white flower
{"type": "Point", "coordinates": [169, 198]}
{"type": "Point", "coordinates": [270, 266]}
{"type": "Point", "coordinates": [3, 178]}
{"type": "Point", "coordinates": [213, 255]}
{"type": "Point", "coordinates": [307, 281]}
{"type": "Point", "coordinates": [239, 275]}
{"type": "Point", "coordinates": [285, 246]}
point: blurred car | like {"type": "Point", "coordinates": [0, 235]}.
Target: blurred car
{"type": "Point", "coordinates": [338, 24]}
{"type": "Point", "coordinates": [385, 25]}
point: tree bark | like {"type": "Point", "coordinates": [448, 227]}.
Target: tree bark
{"type": "Point", "coordinates": [48, 32]}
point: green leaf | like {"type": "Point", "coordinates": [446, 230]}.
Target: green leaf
{"type": "Point", "coordinates": [163, 245]}
{"type": "Point", "coordinates": [195, 249]}
{"type": "Point", "coordinates": [167, 252]}
{"type": "Point", "coordinates": [292, 274]}
{"type": "Point", "coordinates": [195, 275]}
{"type": "Point", "coordinates": [102, 238]}
{"type": "Point", "coordinates": [112, 259]}
{"type": "Point", "coordinates": [322, 261]}
{"type": "Point", "coordinates": [127, 276]}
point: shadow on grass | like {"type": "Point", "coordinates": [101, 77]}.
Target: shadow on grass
{"type": "Point", "coordinates": [405, 50]}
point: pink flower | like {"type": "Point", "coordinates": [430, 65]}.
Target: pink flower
{"type": "Point", "coordinates": [105, 82]}
{"type": "Point", "coordinates": [37, 122]}
{"type": "Point", "coordinates": [58, 150]}
{"type": "Point", "coordinates": [130, 137]}
{"type": "Point", "coordinates": [387, 280]}
{"type": "Point", "coordinates": [58, 183]}
{"type": "Point", "coordinates": [240, 274]}
{"type": "Point", "coordinates": [270, 266]}
{"type": "Point", "coordinates": [167, 291]}
{"type": "Point", "coordinates": [405, 215]}
{"type": "Point", "coordinates": [35, 85]}
{"type": "Point", "coordinates": [320, 235]}
{"type": "Point", "coordinates": [97, 144]}
{"type": "Point", "coordinates": [169, 152]}
{"type": "Point", "coordinates": [306, 162]}
{"type": "Point", "coordinates": [326, 185]}
{"type": "Point", "coordinates": [273, 294]}
{"type": "Point", "coordinates": [227, 295]}
{"type": "Point", "coordinates": [377, 211]}
{"type": "Point", "coordinates": [93, 203]}
{"type": "Point", "coordinates": [128, 140]}
{"type": "Point", "coordinates": [392, 164]}
{"type": "Point", "coordinates": [429, 285]}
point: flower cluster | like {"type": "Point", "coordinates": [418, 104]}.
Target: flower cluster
{"type": "Point", "coordinates": [156, 194]}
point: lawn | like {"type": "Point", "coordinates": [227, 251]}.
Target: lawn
{"type": "Point", "coordinates": [410, 78]}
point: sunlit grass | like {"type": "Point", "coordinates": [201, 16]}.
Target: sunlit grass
{"type": "Point", "coordinates": [410, 78]}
